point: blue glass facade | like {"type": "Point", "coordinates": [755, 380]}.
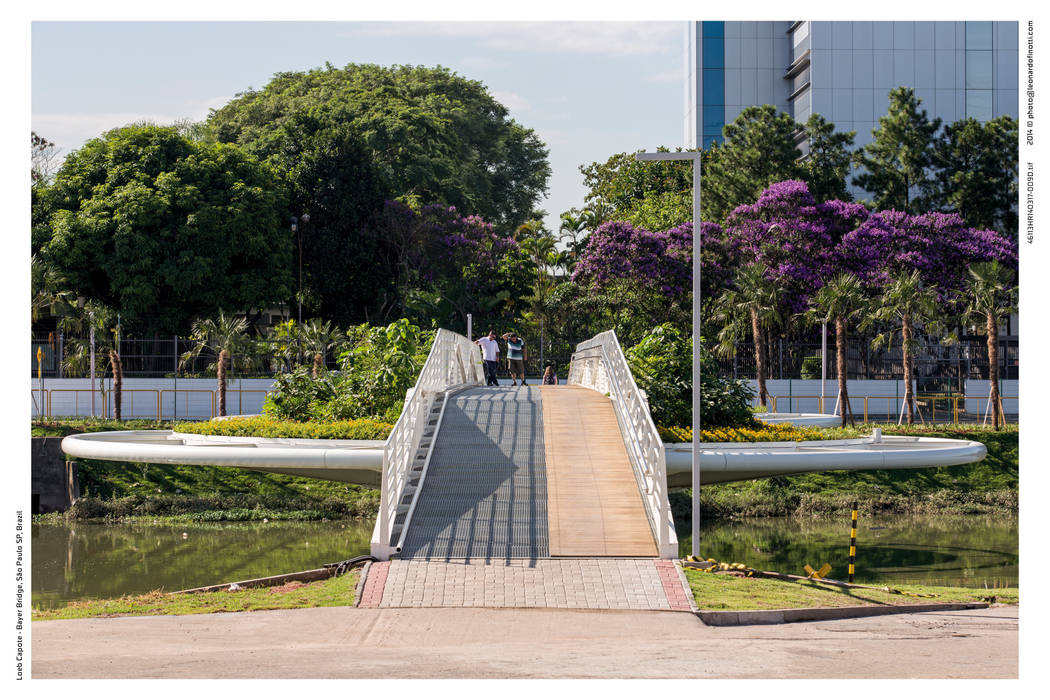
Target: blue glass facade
{"type": "Point", "coordinates": [980, 70]}
{"type": "Point", "coordinates": [713, 64]}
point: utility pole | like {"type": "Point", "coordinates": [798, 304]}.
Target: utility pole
{"type": "Point", "coordinates": [697, 324]}
{"type": "Point", "coordinates": [91, 317]}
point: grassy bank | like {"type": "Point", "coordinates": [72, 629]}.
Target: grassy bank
{"type": "Point", "coordinates": [729, 592]}
{"type": "Point", "coordinates": [335, 591]}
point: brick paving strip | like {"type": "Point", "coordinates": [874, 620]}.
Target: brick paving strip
{"type": "Point", "coordinates": [604, 584]}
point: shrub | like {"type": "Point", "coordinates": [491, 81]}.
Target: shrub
{"type": "Point", "coordinates": [661, 363]}
{"type": "Point", "coordinates": [811, 367]}
{"type": "Point", "coordinates": [764, 433]}
{"type": "Point", "coordinates": [266, 426]}
{"type": "Point", "coordinates": [376, 370]}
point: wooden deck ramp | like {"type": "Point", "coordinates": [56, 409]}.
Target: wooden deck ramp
{"type": "Point", "coordinates": [593, 504]}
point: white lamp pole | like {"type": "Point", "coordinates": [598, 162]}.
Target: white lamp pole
{"type": "Point", "coordinates": [695, 157]}
{"type": "Point", "coordinates": [823, 362]}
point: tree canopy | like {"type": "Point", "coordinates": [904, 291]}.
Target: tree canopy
{"type": "Point", "coordinates": [428, 132]}
{"type": "Point", "coordinates": [896, 163]}
{"type": "Point", "coordinates": [759, 149]}
{"type": "Point", "coordinates": [977, 172]}
{"type": "Point", "coordinates": [165, 229]}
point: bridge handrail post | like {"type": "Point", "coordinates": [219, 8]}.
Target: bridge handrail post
{"type": "Point", "coordinates": [599, 364]}
{"type": "Point", "coordinates": [443, 368]}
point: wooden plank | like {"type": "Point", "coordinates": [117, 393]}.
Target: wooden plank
{"type": "Point", "coordinates": [593, 504]}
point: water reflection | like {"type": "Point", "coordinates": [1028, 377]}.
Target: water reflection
{"type": "Point", "coordinates": [88, 560]}
{"type": "Point", "coordinates": [971, 551]}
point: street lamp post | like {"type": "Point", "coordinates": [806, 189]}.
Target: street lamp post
{"type": "Point", "coordinates": [695, 157]}
{"type": "Point", "coordinates": [296, 220]}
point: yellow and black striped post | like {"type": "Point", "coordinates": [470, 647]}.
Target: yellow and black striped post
{"type": "Point", "coordinates": [852, 541]}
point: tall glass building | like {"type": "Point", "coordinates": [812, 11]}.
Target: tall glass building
{"type": "Point", "coordinates": [845, 70]}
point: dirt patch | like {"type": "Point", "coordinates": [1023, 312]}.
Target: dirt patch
{"type": "Point", "coordinates": [288, 587]}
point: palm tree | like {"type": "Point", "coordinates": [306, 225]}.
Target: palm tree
{"type": "Point", "coordinates": [840, 301]}
{"type": "Point", "coordinates": [991, 295]}
{"type": "Point", "coordinates": [81, 319]}
{"type": "Point", "coordinates": [573, 232]}
{"type": "Point", "coordinates": [224, 335]}
{"type": "Point", "coordinates": [755, 303]}
{"type": "Point", "coordinates": [319, 337]}
{"type": "Point", "coordinates": [908, 302]}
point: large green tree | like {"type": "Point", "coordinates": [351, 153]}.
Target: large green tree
{"type": "Point", "coordinates": [896, 165]}
{"type": "Point", "coordinates": [977, 172]}
{"type": "Point", "coordinates": [332, 180]}
{"type": "Point", "coordinates": [165, 229]}
{"type": "Point", "coordinates": [828, 163]}
{"type": "Point", "coordinates": [654, 195]}
{"type": "Point", "coordinates": [759, 149]}
{"type": "Point", "coordinates": [428, 131]}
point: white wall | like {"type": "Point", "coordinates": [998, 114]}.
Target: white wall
{"type": "Point", "coordinates": [182, 398]}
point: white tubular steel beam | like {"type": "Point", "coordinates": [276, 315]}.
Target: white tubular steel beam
{"type": "Point", "coordinates": [748, 460]}
{"type": "Point", "coordinates": [162, 447]}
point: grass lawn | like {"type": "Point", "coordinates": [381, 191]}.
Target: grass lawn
{"type": "Point", "coordinates": [331, 592]}
{"type": "Point", "coordinates": [728, 592]}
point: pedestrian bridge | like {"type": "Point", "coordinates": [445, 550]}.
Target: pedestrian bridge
{"type": "Point", "coordinates": [475, 472]}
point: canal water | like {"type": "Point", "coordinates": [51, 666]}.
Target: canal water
{"type": "Point", "coordinates": [86, 560]}
{"type": "Point", "coordinates": [970, 551]}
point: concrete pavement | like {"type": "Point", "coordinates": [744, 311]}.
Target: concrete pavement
{"type": "Point", "coordinates": [523, 643]}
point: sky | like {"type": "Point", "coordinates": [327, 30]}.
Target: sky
{"type": "Point", "coordinates": [588, 89]}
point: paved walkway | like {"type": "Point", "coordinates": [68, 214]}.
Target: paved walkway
{"type": "Point", "coordinates": [471, 643]}
{"type": "Point", "coordinates": [485, 491]}
{"type": "Point", "coordinates": [605, 584]}
{"type": "Point", "coordinates": [594, 508]}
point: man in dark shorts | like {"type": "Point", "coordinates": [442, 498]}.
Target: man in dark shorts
{"type": "Point", "coordinates": [516, 356]}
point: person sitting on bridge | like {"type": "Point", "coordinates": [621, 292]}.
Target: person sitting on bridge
{"type": "Point", "coordinates": [516, 356]}
{"type": "Point", "coordinates": [490, 354]}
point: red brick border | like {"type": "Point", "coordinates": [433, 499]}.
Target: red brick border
{"type": "Point", "coordinates": [676, 595]}
{"type": "Point", "coordinates": [372, 595]}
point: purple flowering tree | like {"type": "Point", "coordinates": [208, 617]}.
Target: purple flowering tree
{"type": "Point", "coordinates": [642, 278]}
{"type": "Point", "coordinates": [450, 265]}
{"type": "Point", "coordinates": [794, 237]}
{"type": "Point", "coordinates": [941, 246]}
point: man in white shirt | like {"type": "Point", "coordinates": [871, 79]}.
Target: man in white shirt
{"type": "Point", "coordinates": [490, 354]}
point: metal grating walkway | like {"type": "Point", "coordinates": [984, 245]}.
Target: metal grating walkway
{"type": "Point", "coordinates": [485, 493]}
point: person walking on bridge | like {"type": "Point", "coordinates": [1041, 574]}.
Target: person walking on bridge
{"type": "Point", "coordinates": [516, 356]}
{"type": "Point", "coordinates": [490, 355]}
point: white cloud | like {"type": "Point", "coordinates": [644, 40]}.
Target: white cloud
{"type": "Point", "coordinates": [70, 131]}
{"type": "Point", "coordinates": [512, 101]}
{"type": "Point", "coordinates": [553, 137]}
{"type": "Point", "coordinates": [604, 38]}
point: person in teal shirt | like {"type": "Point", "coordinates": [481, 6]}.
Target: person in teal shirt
{"type": "Point", "coordinates": [516, 356]}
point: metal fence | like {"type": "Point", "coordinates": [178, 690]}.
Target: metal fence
{"type": "Point", "coordinates": [149, 357]}
{"type": "Point", "coordinates": [930, 408]}
{"type": "Point", "coordinates": [144, 404]}
{"type": "Point", "coordinates": [937, 367]}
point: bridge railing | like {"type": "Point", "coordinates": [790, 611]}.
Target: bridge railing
{"type": "Point", "coordinates": [453, 360]}
{"type": "Point", "coordinates": [599, 364]}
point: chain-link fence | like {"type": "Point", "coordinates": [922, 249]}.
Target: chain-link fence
{"type": "Point", "coordinates": [937, 368]}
